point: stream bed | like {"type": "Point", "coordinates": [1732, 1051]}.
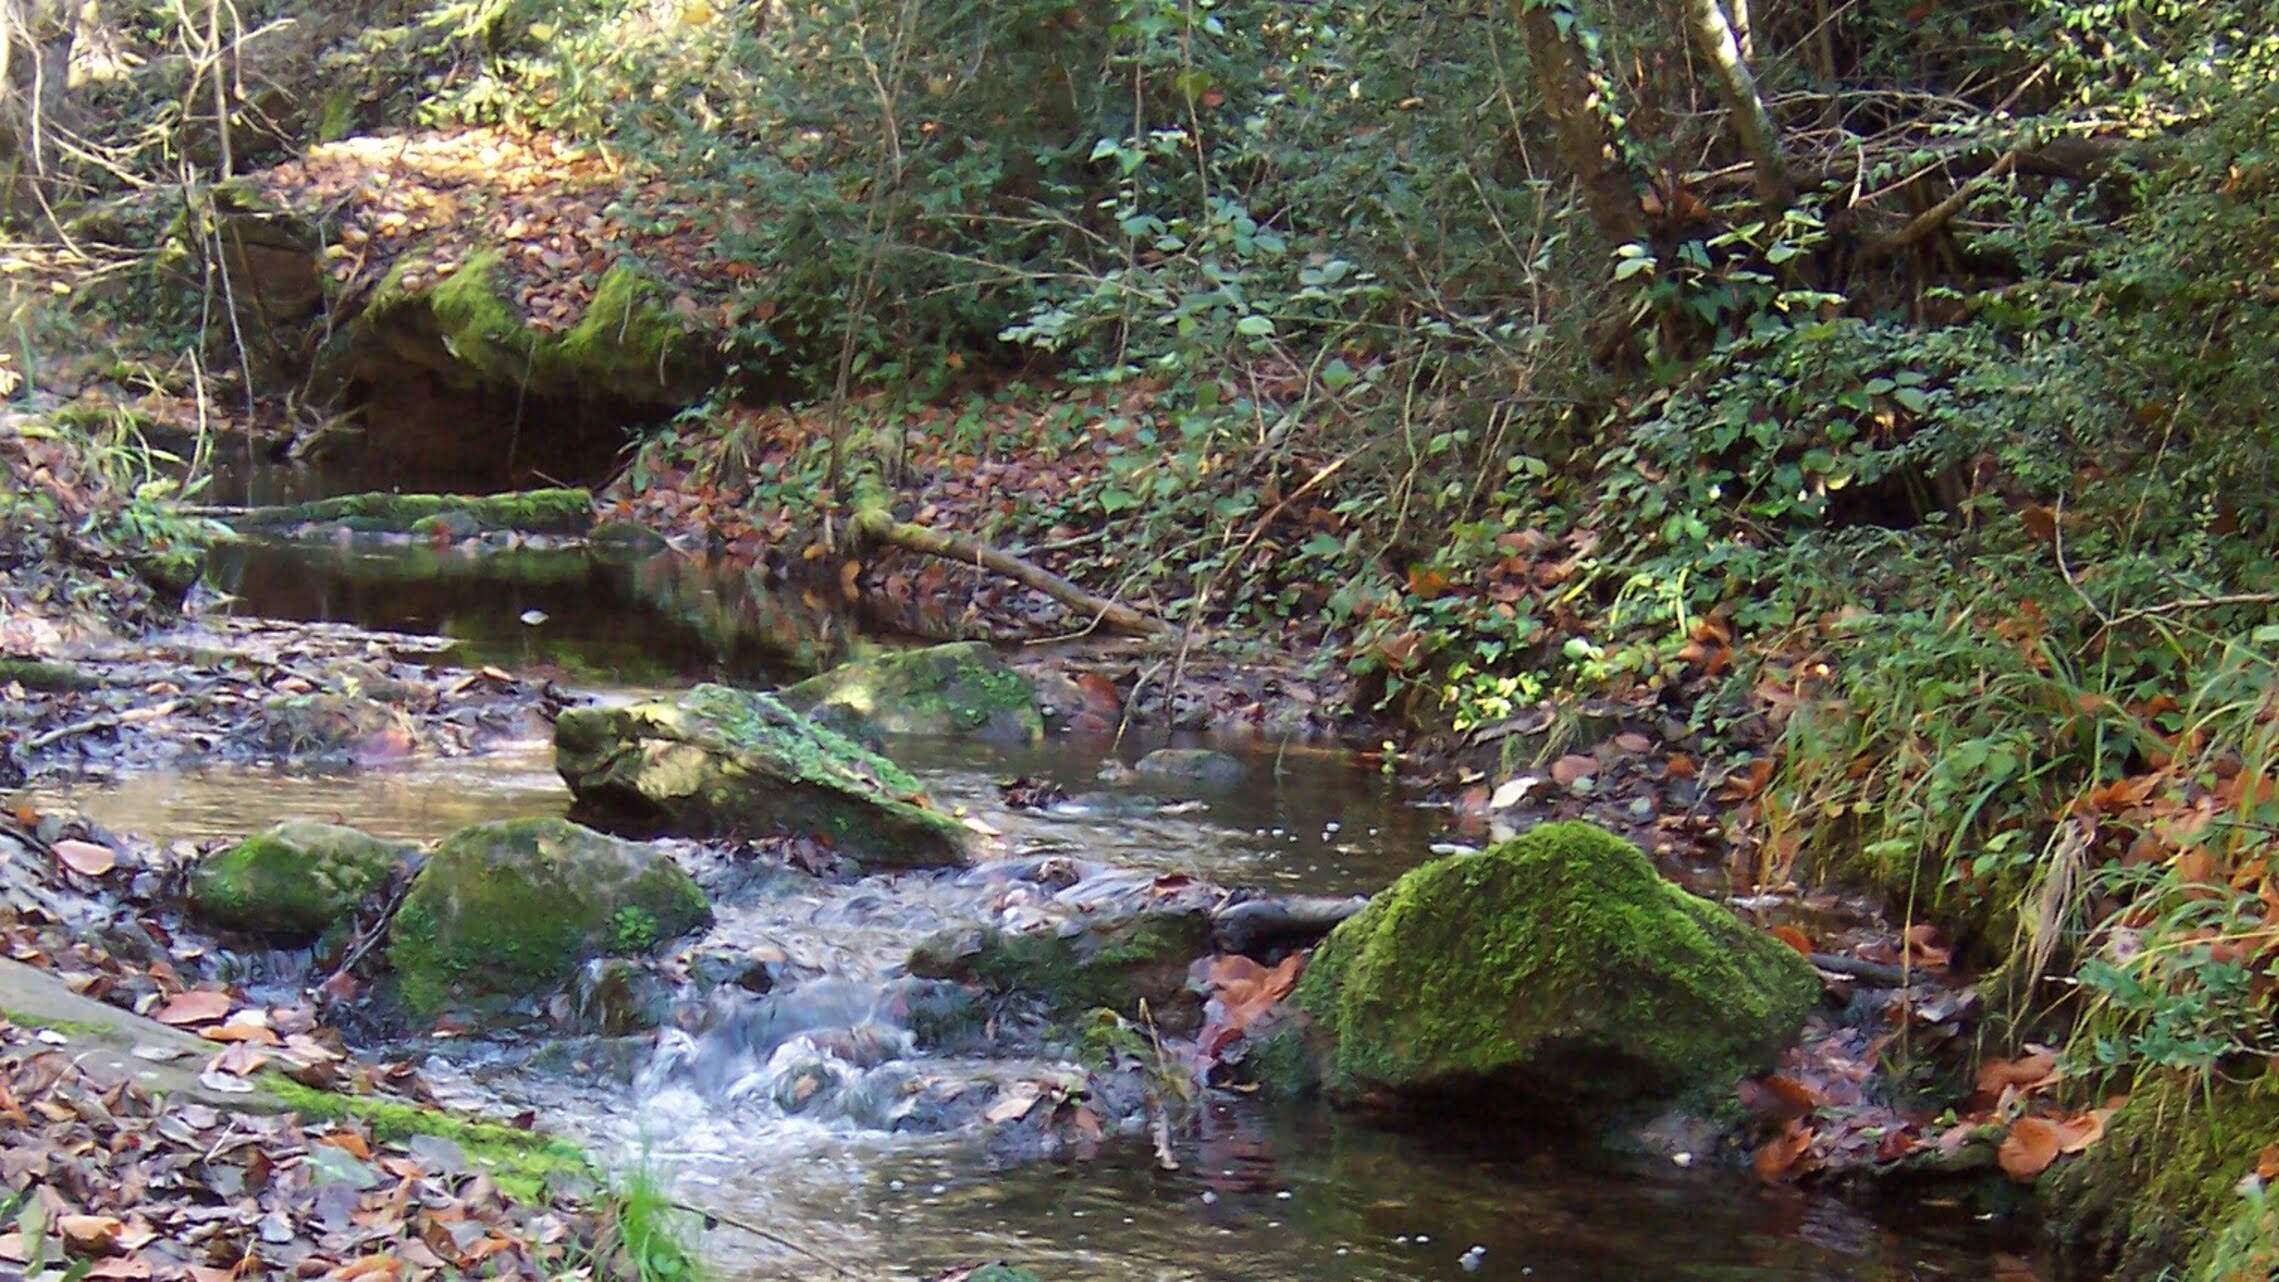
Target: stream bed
{"type": "Point", "coordinates": [811, 1111]}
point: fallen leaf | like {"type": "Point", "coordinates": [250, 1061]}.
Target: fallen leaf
{"type": "Point", "coordinates": [1014, 1104]}
{"type": "Point", "coordinates": [2033, 1143]}
{"type": "Point", "coordinates": [199, 1006]}
{"type": "Point", "coordinates": [1779, 1156]}
{"type": "Point", "coordinates": [89, 1234]}
{"type": "Point", "coordinates": [1794, 938]}
{"type": "Point", "coordinates": [1566, 770]}
{"type": "Point", "coordinates": [85, 857]}
{"type": "Point", "coordinates": [1998, 1075]}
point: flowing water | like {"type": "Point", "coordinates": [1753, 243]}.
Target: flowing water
{"type": "Point", "coordinates": [820, 1111]}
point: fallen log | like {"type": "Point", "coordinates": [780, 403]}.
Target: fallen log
{"type": "Point", "coordinates": [873, 524]}
{"type": "Point", "coordinates": [1250, 926]}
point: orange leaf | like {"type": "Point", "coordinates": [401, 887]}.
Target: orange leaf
{"type": "Point", "coordinates": [1794, 938]}
{"type": "Point", "coordinates": [1568, 769]}
{"type": "Point", "coordinates": [199, 1006]}
{"type": "Point", "coordinates": [85, 857]}
{"type": "Point", "coordinates": [1779, 1156]}
{"type": "Point", "coordinates": [1997, 1075]}
{"type": "Point", "coordinates": [349, 1142]}
{"type": "Point", "coordinates": [2033, 1143]}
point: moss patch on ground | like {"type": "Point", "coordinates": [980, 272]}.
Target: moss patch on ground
{"type": "Point", "coordinates": [1560, 968]}
{"type": "Point", "coordinates": [523, 1163]}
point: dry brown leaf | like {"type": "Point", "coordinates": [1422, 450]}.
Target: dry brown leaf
{"type": "Point", "coordinates": [89, 1234]}
{"type": "Point", "coordinates": [1777, 1159]}
{"type": "Point", "coordinates": [2032, 1144]}
{"type": "Point", "coordinates": [1566, 770]}
{"type": "Point", "coordinates": [199, 1006]}
{"type": "Point", "coordinates": [1794, 938]}
{"type": "Point", "coordinates": [85, 857]}
{"type": "Point", "coordinates": [1998, 1075]}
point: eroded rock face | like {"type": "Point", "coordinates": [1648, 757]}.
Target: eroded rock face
{"type": "Point", "coordinates": [508, 910]}
{"type": "Point", "coordinates": [962, 691]}
{"type": "Point", "coordinates": [1556, 972]}
{"type": "Point", "coordinates": [293, 881]}
{"type": "Point", "coordinates": [719, 761]}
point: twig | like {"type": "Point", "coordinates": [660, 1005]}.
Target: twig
{"type": "Point", "coordinates": [874, 524]}
{"type": "Point", "coordinates": [1937, 216]}
{"type": "Point", "coordinates": [735, 1222]}
{"type": "Point", "coordinates": [2057, 545]}
{"type": "Point", "coordinates": [2194, 603]}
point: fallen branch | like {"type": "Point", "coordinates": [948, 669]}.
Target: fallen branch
{"type": "Point", "coordinates": [2194, 603]}
{"type": "Point", "coordinates": [1876, 974]}
{"type": "Point", "coordinates": [874, 524]}
{"type": "Point", "coordinates": [1937, 216]}
{"type": "Point", "coordinates": [711, 1217]}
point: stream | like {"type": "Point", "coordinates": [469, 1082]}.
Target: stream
{"type": "Point", "coordinates": [813, 1111]}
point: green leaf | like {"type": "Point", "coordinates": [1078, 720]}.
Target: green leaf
{"type": "Point", "coordinates": [1337, 375]}
{"type": "Point", "coordinates": [1114, 500]}
{"type": "Point", "coordinates": [1254, 326]}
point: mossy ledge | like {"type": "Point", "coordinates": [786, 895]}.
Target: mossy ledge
{"type": "Point", "coordinates": [563, 512]}
{"type": "Point", "coordinates": [2168, 1191]}
{"type": "Point", "coordinates": [627, 346]}
{"type": "Point", "coordinates": [1557, 973]}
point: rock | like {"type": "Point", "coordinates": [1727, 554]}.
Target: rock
{"type": "Point", "coordinates": [1117, 962]}
{"type": "Point", "coordinates": [718, 761]}
{"type": "Point", "coordinates": [546, 512]}
{"type": "Point", "coordinates": [1190, 768]}
{"type": "Point", "coordinates": [293, 881]}
{"type": "Point", "coordinates": [1557, 967]}
{"type": "Point", "coordinates": [511, 909]}
{"type": "Point", "coordinates": [616, 997]}
{"type": "Point", "coordinates": [961, 690]}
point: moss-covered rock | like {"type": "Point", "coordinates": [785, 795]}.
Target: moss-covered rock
{"type": "Point", "coordinates": [721, 761]}
{"type": "Point", "coordinates": [293, 881]}
{"type": "Point", "coordinates": [46, 676]}
{"type": "Point", "coordinates": [627, 346]}
{"type": "Point", "coordinates": [1117, 963]}
{"type": "Point", "coordinates": [566, 512]}
{"type": "Point", "coordinates": [511, 909]}
{"type": "Point", "coordinates": [2168, 1191]}
{"type": "Point", "coordinates": [961, 690]}
{"type": "Point", "coordinates": [1558, 970]}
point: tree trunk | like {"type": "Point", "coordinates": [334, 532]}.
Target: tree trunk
{"type": "Point", "coordinates": [1713, 38]}
{"type": "Point", "coordinates": [1585, 142]}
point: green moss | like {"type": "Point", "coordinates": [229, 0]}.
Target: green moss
{"type": "Point", "coordinates": [550, 511]}
{"type": "Point", "coordinates": [509, 909]}
{"type": "Point", "coordinates": [69, 1027]}
{"type": "Point", "coordinates": [627, 344]}
{"type": "Point", "coordinates": [718, 760]}
{"type": "Point", "coordinates": [1559, 964]}
{"type": "Point", "coordinates": [295, 880]}
{"type": "Point", "coordinates": [2162, 1189]}
{"type": "Point", "coordinates": [1001, 1273]}
{"type": "Point", "coordinates": [46, 676]}
{"type": "Point", "coordinates": [521, 1162]}
{"type": "Point", "coordinates": [955, 690]}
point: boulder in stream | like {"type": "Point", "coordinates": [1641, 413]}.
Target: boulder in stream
{"type": "Point", "coordinates": [511, 909]}
{"type": "Point", "coordinates": [1116, 962]}
{"type": "Point", "coordinates": [1197, 768]}
{"type": "Point", "coordinates": [719, 761]}
{"type": "Point", "coordinates": [293, 881]}
{"type": "Point", "coordinates": [962, 690]}
{"type": "Point", "coordinates": [1556, 972]}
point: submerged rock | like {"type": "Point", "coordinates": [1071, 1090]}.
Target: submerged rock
{"type": "Point", "coordinates": [1118, 963]}
{"type": "Point", "coordinates": [718, 761]}
{"type": "Point", "coordinates": [1190, 768]}
{"type": "Point", "coordinates": [293, 881]}
{"type": "Point", "coordinates": [511, 909]}
{"type": "Point", "coordinates": [1558, 969]}
{"type": "Point", "coordinates": [961, 690]}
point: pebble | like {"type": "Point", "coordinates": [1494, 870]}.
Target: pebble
{"type": "Point", "coordinates": [1682, 1159]}
{"type": "Point", "coordinates": [1284, 1195]}
{"type": "Point", "coordinates": [1471, 1259]}
{"type": "Point", "coordinates": [1333, 827]}
{"type": "Point", "coordinates": [1210, 1198]}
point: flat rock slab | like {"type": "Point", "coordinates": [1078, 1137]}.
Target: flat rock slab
{"type": "Point", "coordinates": [104, 1040]}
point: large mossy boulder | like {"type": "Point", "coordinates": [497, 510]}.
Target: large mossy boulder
{"type": "Point", "coordinates": [293, 881]}
{"type": "Point", "coordinates": [1557, 972]}
{"type": "Point", "coordinates": [961, 690]}
{"type": "Point", "coordinates": [1117, 962]}
{"type": "Point", "coordinates": [718, 761]}
{"type": "Point", "coordinates": [507, 910]}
